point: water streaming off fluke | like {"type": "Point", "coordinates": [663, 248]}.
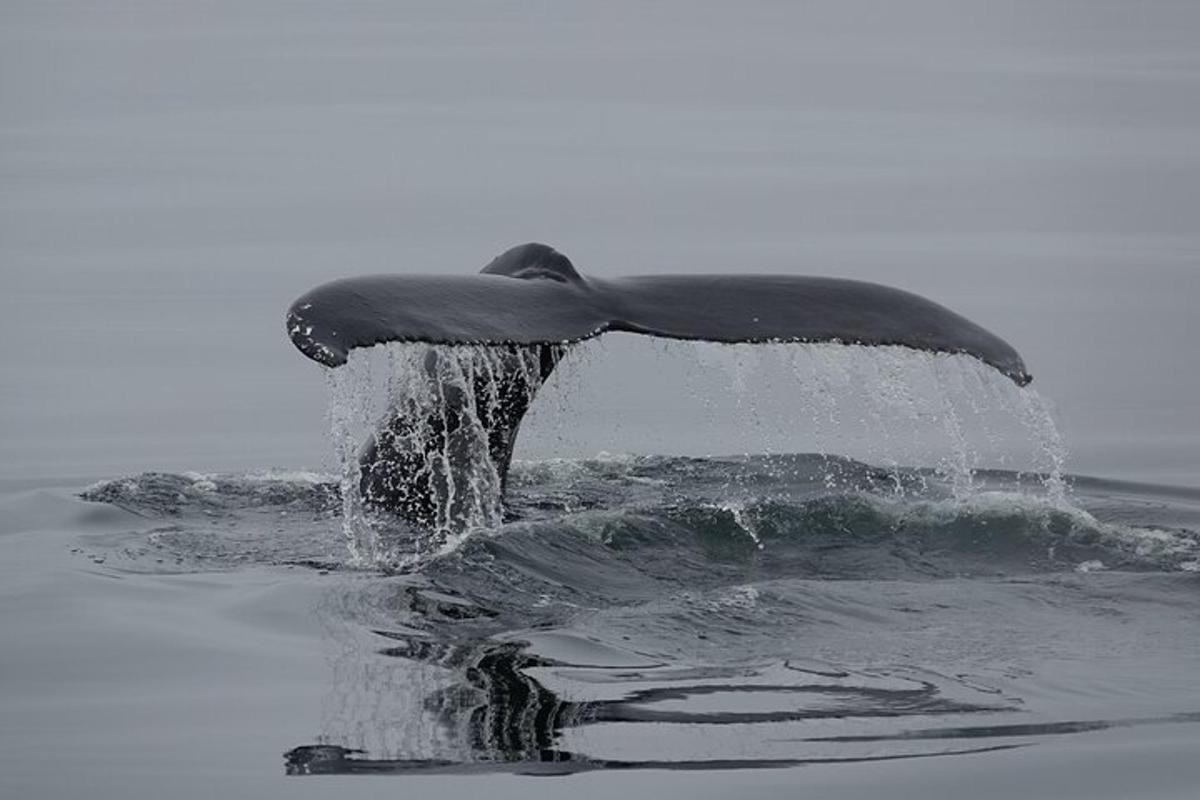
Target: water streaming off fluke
{"type": "Point", "coordinates": [431, 428]}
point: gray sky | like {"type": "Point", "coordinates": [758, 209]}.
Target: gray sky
{"type": "Point", "coordinates": [172, 176]}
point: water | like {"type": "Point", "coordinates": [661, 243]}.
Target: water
{"type": "Point", "coordinates": [642, 612]}
{"type": "Point", "coordinates": [900, 406]}
{"type": "Point", "coordinates": [683, 612]}
{"type": "Point", "coordinates": [696, 590]}
{"type": "Point", "coordinates": [690, 613]}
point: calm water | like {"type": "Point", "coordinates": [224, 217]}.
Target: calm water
{"type": "Point", "coordinates": [858, 610]}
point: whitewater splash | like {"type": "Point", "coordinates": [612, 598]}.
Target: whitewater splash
{"type": "Point", "coordinates": [904, 407]}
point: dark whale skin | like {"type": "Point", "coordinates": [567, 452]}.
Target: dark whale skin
{"type": "Point", "coordinates": [551, 303]}
{"type": "Point", "coordinates": [532, 297]}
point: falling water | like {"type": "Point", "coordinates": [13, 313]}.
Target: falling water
{"type": "Point", "coordinates": [418, 384]}
{"type": "Point", "coordinates": [899, 407]}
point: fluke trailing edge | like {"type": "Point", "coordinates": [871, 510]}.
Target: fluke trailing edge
{"type": "Point", "coordinates": [530, 303]}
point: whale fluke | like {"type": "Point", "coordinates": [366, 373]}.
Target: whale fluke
{"type": "Point", "coordinates": [551, 303]}
{"type": "Point", "coordinates": [533, 301]}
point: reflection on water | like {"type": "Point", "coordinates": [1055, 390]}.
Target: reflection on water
{"type": "Point", "coordinates": [717, 613]}
{"type": "Point", "coordinates": [499, 710]}
{"type": "Point", "coordinates": [503, 707]}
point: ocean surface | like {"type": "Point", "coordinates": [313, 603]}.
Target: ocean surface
{"type": "Point", "coordinates": [625, 614]}
{"type": "Point", "coordinates": [721, 571]}
{"type": "Point", "coordinates": [172, 633]}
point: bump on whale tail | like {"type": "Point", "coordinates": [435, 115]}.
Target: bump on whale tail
{"type": "Point", "coordinates": [531, 296]}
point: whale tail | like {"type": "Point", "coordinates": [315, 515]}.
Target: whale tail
{"type": "Point", "coordinates": [529, 304]}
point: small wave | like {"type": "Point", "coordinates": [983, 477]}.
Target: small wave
{"type": "Point", "coordinates": [702, 516]}
{"type": "Point", "coordinates": [163, 493]}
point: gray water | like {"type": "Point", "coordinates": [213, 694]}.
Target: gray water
{"type": "Point", "coordinates": [174, 176]}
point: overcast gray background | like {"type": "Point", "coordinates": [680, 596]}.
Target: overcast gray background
{"type": "Point", "coordinates": [172, 176]}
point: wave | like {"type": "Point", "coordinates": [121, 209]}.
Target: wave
{"type": "Point", "coordinates": [828, 609]}
{"type": "Point", "coordinates": [657, 518]}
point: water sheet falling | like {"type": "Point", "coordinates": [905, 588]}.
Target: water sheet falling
{"type": "Point", "coordinates": [435, 415]}
{"type": "Point", "coordinates": [888, 406]}
{"type": "Point", "coordinates": [896, 406]}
